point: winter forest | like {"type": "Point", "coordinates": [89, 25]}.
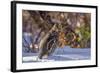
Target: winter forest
{"type": "Point", "coordinates": [44, 31]}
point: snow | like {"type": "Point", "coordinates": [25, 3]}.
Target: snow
{"type": "Point", "coordinates": [60, 54]}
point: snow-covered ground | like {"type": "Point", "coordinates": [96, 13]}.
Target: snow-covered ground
{"type": "Point", "coordinates": [60, 54]}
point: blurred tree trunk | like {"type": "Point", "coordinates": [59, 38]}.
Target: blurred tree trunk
{"type": "Point", "coordinates": [44, 39]}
